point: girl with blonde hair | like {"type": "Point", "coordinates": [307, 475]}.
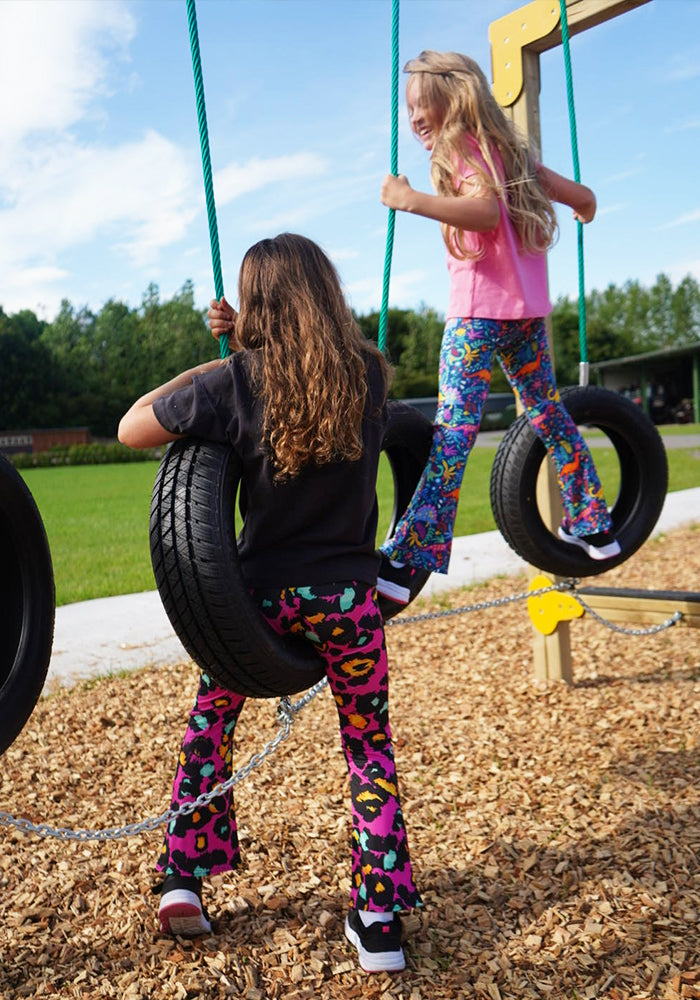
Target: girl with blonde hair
{"type": "Point", "coordinates": [302, 401]}
{"type": "Point", "coordinates": [493, 200]}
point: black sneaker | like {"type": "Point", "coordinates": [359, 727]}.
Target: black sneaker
{"type": "Point", "coordinates": [181, 911]}
{"type": "Point", "coordinates": [602, 545]}
{"type": "Point", "coordinates": [395, 582]}
{"type": "Point", "coordinates": [379, 945]}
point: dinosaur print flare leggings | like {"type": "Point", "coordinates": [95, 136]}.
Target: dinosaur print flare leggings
{"type": "Point", "coordinates": [344, 624]}
{"type": "Point", "coordinates": [423, 536]}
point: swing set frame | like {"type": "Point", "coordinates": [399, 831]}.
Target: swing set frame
{"type": "Point", "coordinates": [517, 40]}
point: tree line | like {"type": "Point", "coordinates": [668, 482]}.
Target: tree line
{"type": "Point", "coordinates": [86, 368]}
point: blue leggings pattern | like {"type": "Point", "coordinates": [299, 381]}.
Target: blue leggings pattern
{"type": "Point", "coordinates": [423, 536]}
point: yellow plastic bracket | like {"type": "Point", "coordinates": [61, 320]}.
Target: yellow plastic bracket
{"type": "Point", "coordinates": [547, 610]}
{"type": "Point", "coordinates": [508, 37]}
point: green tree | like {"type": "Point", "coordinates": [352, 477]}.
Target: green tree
{"type": "Point", "coordinates": [26, 374]}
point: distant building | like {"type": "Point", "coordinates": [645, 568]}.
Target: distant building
{"type": "Point", "coordinates": [33, 441]}
{"type": "Point", "coordinates": [665, 383]}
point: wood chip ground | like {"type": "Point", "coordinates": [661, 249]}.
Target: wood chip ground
{"type": "Point", "coordinates": [555, 831]}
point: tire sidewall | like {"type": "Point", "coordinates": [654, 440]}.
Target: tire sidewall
{"type": "Point", "coordinates": [636, 509]}
{"type": "Point", "coordinates": [250, 658]}
{"type": "Point", "coordinates": [29, 602]}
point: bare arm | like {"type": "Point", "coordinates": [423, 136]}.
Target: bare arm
{"type": "Point", "coordinates": [475, 210]}
{"type": "Point", "coordinates": [139, 427]}
{"type": "Point", "coordinates": [568, 192]}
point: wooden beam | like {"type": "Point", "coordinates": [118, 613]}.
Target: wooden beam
{"type": "Point", "coordinates": [651, 607]}
{"type": "Point", "coordinates": [582, 15]}
{"type": "Point", "coordinates": [535, 28]}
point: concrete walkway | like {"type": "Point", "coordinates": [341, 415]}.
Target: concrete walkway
{"type": "Point", "coordinates": [94, 638]}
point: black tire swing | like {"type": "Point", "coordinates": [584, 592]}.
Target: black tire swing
{"type": "Point", "coordinates": [635, 510]}
{"type": "Point", "coordinates": [27, 604]}
{"type": "Point", "coordinates": [640, 450]}
{"type": "Point", "coordinates": [195, 561]}
{"type": "Point", "coordinates": [192, 523]}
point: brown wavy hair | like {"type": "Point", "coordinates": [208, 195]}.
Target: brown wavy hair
{"type": "Point", "coordinates": [461, 104]}
{"type": "Point", "coordinates": [309, 357]}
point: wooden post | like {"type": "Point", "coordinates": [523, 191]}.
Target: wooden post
{"type": "Point", "coordinates": [551, 653]}
{"type": "Point", "coordinates": [516, 42]}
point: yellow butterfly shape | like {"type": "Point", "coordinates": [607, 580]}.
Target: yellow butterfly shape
{"type": "Point", "coordinates": [547, 610]}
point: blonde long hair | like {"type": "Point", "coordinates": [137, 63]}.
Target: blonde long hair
{"type": "Point", "coordinates": [308, 355]}
{"type": "Point", "coordinates": [460, 103]}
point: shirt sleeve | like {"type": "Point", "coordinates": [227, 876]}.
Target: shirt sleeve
{"type": "Point", "coordinates": [463, 171]}
{"type": "Point", "coordinates": [199, 409]}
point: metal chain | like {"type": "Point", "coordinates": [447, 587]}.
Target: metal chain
{"type": "Point", "coordinates": [651, 630]}
{"type": "Point", "coordinates": [499, 602]}
{"type": "Point", "coordinates": [286, 717]}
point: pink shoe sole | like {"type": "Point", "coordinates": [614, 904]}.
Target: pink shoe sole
{"type": "Point", "coordinates": [180, 913]}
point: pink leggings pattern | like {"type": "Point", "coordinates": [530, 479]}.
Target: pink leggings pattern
{"type": "Point", "coordinates": [346, 628]}
{"type": "Point", "coordinates": [423, 536]}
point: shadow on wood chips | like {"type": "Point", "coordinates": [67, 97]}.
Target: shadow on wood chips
{"type": "Point", "coordinates": [555, 832]}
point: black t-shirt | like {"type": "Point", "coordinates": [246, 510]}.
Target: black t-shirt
{"type": "Point", "coordinates": [316, 528]}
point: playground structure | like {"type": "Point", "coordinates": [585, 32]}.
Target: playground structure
{"type": "Point", "coordinates": [552, 651]}
{"type": "Point", "coordinates": [517, 41]}
{"type": "Point", "coordinates": [600, 848]}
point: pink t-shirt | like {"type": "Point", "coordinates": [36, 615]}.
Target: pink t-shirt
{"type": "Point", "coordinates": [506, 283]}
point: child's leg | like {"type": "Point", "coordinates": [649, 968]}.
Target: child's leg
{"type": "Point", "coordinates": [346, 628]}
{"type": "Point", "coordinates": [524, 355]}
{"type": "Point", "coordinates": [423, 536]}
{"type": "Point", "coordinates": [204, 842]}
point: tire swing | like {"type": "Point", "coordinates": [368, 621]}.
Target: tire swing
{"type": "Point", "coordinates": [27, 604]}
{"type": "Point", "coordinates": [192, 520]}
{"type": "Point", "coordinates": [636, 509]}
{"type": "Point", "coordinates": [198, 575]}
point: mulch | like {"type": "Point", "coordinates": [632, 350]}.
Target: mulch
{"type": "Point", "coordinates": [554, 830]}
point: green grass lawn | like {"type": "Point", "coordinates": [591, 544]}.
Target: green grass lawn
{"type": "Point", "coordinates": [96, 516]}
{"type": "Point", "coordinates": [667, 430]}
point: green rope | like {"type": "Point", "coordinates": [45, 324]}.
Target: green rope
{"type": "Point", "coordinates": [577, 177]}
{"type": "Point", "coordinates": [206, 162]}
{"type": "Point", "coordinates": [381, 339]}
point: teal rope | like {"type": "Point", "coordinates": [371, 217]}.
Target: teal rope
{"type": "Point", "coordinates": [381, 339]}
{"type": "Point", "coordinates": [206, 162]}
{"type": "Point", "coordinates": [577, 177]}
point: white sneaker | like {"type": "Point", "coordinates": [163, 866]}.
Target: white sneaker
{"type": "Point", "coordinates": [180, 911]}
{"type": "Point", "coordinates": [379, 945]}
{"type": "Point", "coordinates": [602, 545]}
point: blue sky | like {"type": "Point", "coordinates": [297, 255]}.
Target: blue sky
{"type": "Point", "coordinates": [101, 186]}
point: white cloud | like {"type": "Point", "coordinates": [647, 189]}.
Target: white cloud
{"type": "Point", "coordinates": [343, 253]}
{"type": "Point", "coordinates": [140, 195]}
{"type": "Point", "coordinates": [682, 220]}
{"type": "Point", "coordinates": [680, 271]}
{"type": "Point", "coordinates": [686, 66]}
{"type": "Point", "coordinates": [688, 125]}
{"type": "Point", "coordinates": [611, 209]}
{"type": "Point", "coordinates": [19, 289]}
{"type": "Point", "coordinates": [58, 190]}
{"type": "Point", "coordinates": [366, 294]}
{"type": "Point", "coordinates": [622, 176]}
{"type": "Point", "coordinates": [52, 61]}
{"type": "Point", "coordinates": [237, 179]}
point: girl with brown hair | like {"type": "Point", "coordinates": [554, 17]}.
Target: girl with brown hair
{"type": "Point", "coordinates": [302, 402]}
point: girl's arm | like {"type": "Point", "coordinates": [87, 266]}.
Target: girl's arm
{"type": "Point", "coordinates": [568, 192]}
{"type": "Point", "coordinates": [139, 427]}
{"type": "Point", "coordinates": [476, 210]}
